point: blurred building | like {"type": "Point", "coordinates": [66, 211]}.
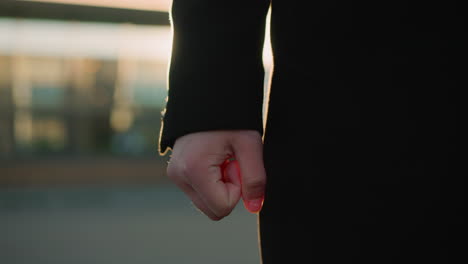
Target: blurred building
{"type": "Point", "coordinates": [73, 89]}
{"type": "Point", "coordinates": [81, 88]}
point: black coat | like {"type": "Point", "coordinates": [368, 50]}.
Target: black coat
{"type": "Point", "coordinates": [361, 137]}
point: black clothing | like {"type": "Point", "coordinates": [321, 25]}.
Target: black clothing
{"type": "Point", "coordinates": [361, 137]}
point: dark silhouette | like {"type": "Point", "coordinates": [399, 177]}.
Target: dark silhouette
{"type": "Point", "coordinates": [360, 144]}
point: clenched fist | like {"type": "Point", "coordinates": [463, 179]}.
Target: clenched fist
{"type": "Point", "coordinates": [216, 168]}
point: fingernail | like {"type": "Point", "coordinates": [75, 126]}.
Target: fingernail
{"type": "Point", "coordinates": [254, 206]}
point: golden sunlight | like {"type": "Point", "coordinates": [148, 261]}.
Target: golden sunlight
{"type": "Point", "coordinates": [156, 5]}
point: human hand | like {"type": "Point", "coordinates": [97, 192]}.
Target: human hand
{"type": "Point", "coordinates": [198, 167]}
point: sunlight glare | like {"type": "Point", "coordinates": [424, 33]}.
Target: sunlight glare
{"type": "Point", "coordinates": [154, 5]}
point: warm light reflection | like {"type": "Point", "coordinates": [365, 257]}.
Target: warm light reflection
{"type": "Point", "coordinates": [21, 90]}
{"type": "Point", "coordinates": [84, 39]}
{"type": "Point", "coordinates": [23, 127]}
{"type": "Point", "coordinates": [121, 119]}
{"type": "Point", "coordinates": [155, 5]}
{"type": "Point", "coordinates": [267, 52]}
{"type": "Point", "coordinates": [50, 131]}
{"type": "Point", "coordinates": [268, 65]}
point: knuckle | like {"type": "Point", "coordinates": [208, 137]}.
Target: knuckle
{"type": "Point", "coordinates": [220, 208]}
{"type": "Point", "coordinates": [190, 169]}
{"type": "Point", "coordinates": [178, 168]}
{"type": "Point", "coordinates": [175, 170]}
{"type": "Point", "coordinates": [223, 212]}
{"type": "Point", "coordinates": [215, 217]}
{"type": "Point", "coordinates": [171, 170]}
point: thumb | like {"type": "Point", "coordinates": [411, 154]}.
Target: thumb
{"type": "Point", "coordinates": [248, 149]}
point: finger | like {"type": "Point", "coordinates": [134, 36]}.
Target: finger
{"type": "Point", "coordinates": [232, 180]}
{"type": "Point", "coordinates": [218, 196]}
{"type": "Point", "coordinates": [249, 153]}
{"type": "Point", "coordinates": [231, 171]}
{"type": "Point", "coordinates": [198, 202]}
{"type": "Point", "coordinates": [195, 198]}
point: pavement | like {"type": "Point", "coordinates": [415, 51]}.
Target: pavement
{"type": "Point", "coordinates": [138, 224]}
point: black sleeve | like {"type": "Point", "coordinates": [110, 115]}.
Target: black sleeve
{"type": "Point", "coordinates": [216, 72]}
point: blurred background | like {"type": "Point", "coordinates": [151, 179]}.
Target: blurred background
{"type": "Point", "coordinates": [82, 87]}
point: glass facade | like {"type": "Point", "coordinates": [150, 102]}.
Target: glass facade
{"type": "Point", "coordinates": [76, 88]}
